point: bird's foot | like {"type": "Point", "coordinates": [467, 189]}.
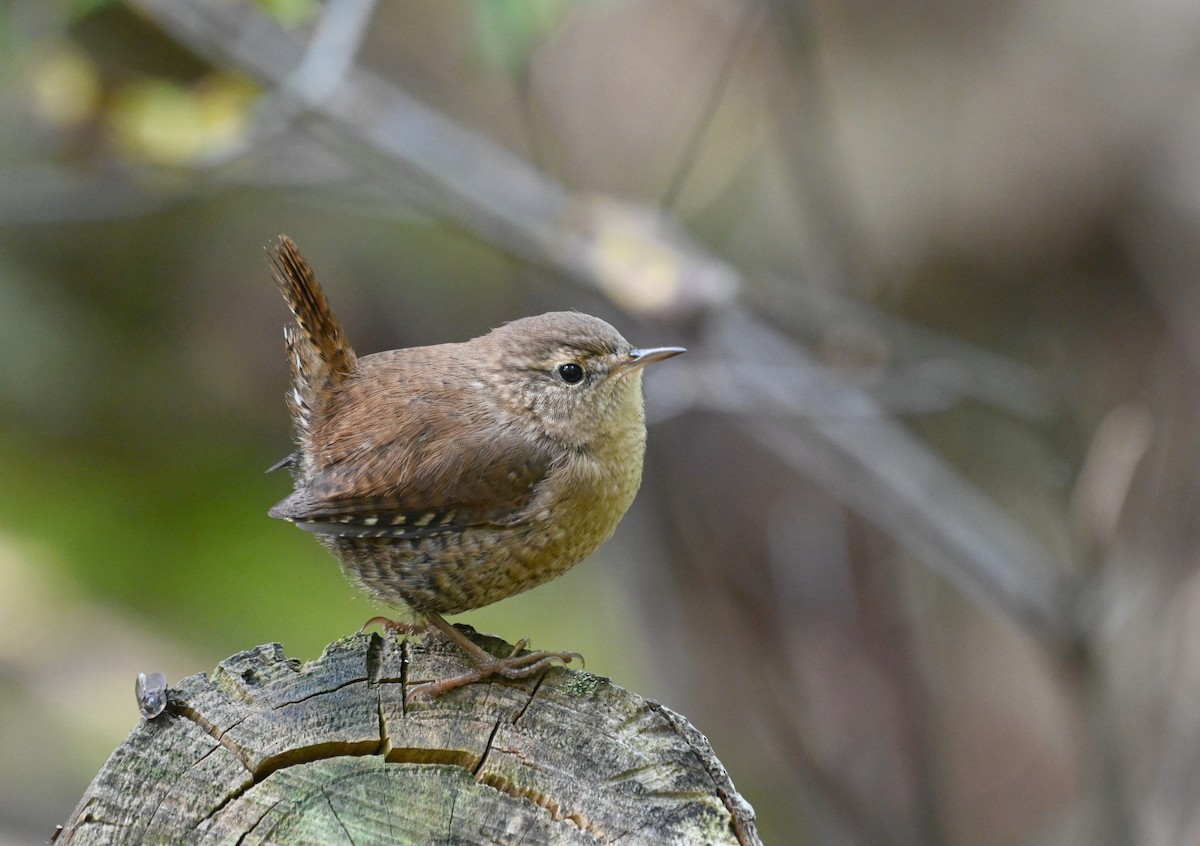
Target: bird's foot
{"type": "Point", "coordinates": [515, 666]}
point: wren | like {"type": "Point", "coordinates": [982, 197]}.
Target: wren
{"type": "Point", "coordinates": [448, 477]}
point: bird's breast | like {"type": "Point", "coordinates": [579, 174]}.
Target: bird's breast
{"type": "Point", "coordinates": [587, 494]}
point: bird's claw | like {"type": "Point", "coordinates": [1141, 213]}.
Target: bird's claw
{"type": "Point", "coordinates": [404, 628]}
{"type": "Point", "coordinates": [513, 667]}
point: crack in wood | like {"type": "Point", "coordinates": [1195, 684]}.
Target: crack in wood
{"type": "Point", "coordinates": [95, 820]}
{"type": "Point", "coordinates": [632, 772]}
{"type": "Point", "coordinates": [450, 815]}
{"type": "Point", "coordinates": [537, 685]}
{"type": "Point", "coordinates": [323, 692]}
{"type": "Point", "coordinates": [254, 825]}
{"type": "Point", "coordinates": [487, 748]}
{"type": "Point", "coordinates": [315, 752]}
{"type": "Point", "coordinates": [333, 810]}
{"type": "Point", "coordinates": [233, 796]}
{"type": "Point", "coordinates": [404, 659]}
{"type": "Point", "coordinates": [427, 755]}
{"type": "Point", "coordinates": [218, 734]}
{"type": "Point", "coordinates": [374, 659]}
{"type": "Point", "coordinates": [292, 757]}
{"type": "Point", "coordinates": [541, 800]}
{"type": "Point", "coordinates": [238, 791]}
{"type": "Point", "coordinates": [385, 737]}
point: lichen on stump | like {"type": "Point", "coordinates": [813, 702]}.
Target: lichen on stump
{"type": "Point", "coordinates": [334, 752]}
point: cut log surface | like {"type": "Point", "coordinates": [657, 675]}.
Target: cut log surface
{"type": "Point", "coordinates": [270, 751]}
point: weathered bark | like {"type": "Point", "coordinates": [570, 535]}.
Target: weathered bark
{"type": "Point", "coordinates": [333, 751]}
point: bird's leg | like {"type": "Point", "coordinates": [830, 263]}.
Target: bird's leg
{"type": "Point", "coordinates": [513, 667]}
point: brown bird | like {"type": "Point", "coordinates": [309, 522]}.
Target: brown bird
{"type": "Point", "coordinates": [448, 477]}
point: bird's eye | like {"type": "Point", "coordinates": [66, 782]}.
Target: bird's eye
{"type": "Point", "coordinates": [571, 373]}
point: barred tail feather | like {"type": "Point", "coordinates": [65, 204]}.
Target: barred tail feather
{"type": "Point", "coordinates": [318, 353]}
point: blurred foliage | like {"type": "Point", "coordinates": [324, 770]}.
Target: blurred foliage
{"type": "Point", "coordinates": [507, 32]}
{"type": "Point", "coordinates": [163, 123]}
{"type": "Point", "coordinates": [64, 87]}
{"type": "Point", "coordinates": [291, 12]}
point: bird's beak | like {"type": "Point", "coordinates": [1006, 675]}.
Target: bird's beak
{"type": "Point", "coordinates": [640, 358]}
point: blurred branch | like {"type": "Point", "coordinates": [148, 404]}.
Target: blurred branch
{"type": "Point", "coordinates": [953, 367]}
{"type": "Point", "coordinates": [47, 194]}
{"type": "Point", "coordinates": [809, 136]}
{"type": "Point", "coordinates": [647, 263]}
{"type": "Point", "coordinates": [457, 173]}
{"type": "Point", "coordinates": [690, 154]}
{"type": "Point", "coordinates": [878, 468]}
{"type": "Point", "coordinates": [331, 50]}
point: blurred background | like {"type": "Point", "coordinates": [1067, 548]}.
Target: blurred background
{"type": "Point", "coordinates": [917, 544]}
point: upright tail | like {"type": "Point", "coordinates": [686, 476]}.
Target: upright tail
{"type": "Point", "coordinates": [318, 352]}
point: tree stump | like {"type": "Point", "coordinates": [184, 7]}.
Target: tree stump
{"type": "Point", "coordinates": [334, 752]}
